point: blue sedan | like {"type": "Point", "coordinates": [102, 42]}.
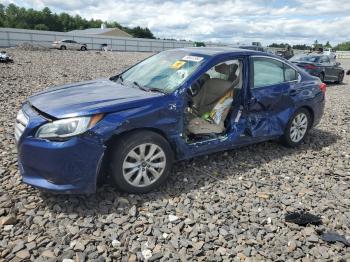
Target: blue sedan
{"type": "Point", "coordinates": [175, 105]}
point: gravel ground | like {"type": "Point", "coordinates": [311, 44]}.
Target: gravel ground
{"type": "Point", "coordinates": [228, 206]}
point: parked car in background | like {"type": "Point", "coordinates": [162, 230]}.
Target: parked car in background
{"type": "Point", "coordinates": [69, 44]}
{"type": "Point", "coordinates": [330, 52]}
{"type": "Point", "coordinates": [172, 106]}
{"type": "Point", "coordinates": [320, 65]}
{"type": "Point", "coordinates": [286, 53]}
{"type": "Point", "coordinates": [253, 47]}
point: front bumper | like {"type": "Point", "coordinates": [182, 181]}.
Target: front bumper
{"type": "Point", "coordinates": [70, 166]}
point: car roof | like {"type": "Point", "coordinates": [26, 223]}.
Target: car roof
{"type": "Point", "coordinates": [313, 54]}
{"type": "Point", "coordinates": [212, 51]}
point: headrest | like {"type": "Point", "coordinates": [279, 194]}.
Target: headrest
{"type": "Point", "coordinates": [226, 69]}
{"type": "Point", "coordinates": [223, 69]}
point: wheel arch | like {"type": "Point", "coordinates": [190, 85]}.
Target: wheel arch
{"type": "Point", "coordinates": [117, 137]}
{"type": "Point", "coordinates": [311, 112]}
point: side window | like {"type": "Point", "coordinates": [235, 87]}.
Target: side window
{"type": "Point", "coordinates": [267, 72]}
{"type": "Point", "coordinates": [271, 72]}
{"type": "Point", "coordinates": [73, 42]}
{"type": "Point", "coordinates": [223, 70]}
{"type": "Point", "coordinates": [290, 74]}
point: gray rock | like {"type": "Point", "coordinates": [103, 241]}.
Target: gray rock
{"type": "Point", "coordinates": [8, 220]}
{"type": "Point", "coordinates": [23, 254]}
{"type": "Point", "coordinates": [133, 211]}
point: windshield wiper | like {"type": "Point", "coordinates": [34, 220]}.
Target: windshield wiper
{"type": "Point", "coordinates": [139, 86]}
{"type": "Point", "coordinates": [154, 89]}
{"type": "Point", "coordinates": [116, 78]}
{"type": "Point", "coordinates": [120, 79]}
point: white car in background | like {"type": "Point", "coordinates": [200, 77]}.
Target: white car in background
{"type": "Point", "coordinates": [330, 53]}
{"type": "Point", "coordinates": [69, 44]}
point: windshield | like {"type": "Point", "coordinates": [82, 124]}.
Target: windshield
{"type": "Point", "coordinates": [164, 71]}
{"type": "Point", "coordinates": [304, 58]}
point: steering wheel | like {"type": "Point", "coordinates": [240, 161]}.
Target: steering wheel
{"type": "Point", "coordinates": [194, 88]}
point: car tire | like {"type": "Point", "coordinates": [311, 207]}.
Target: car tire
{"type": "Point", "coordinates": [322, 77]}
{"type": "Point", "coordinates": [83, 48]}
{"type": "Point", "coordinates": [340, 78]}
{"type": "Point", "coordinates": [140, 162]}
{"type": "Point", "coordinates": [63, 47]}
{"type": "Point", "coordinates": [297, 128]}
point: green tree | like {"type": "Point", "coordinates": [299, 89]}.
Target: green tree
{"type": "Point", "coordinates": [328, 45]}
{"type": "Point", "coordinates": [41, 27]}
{"type": "Point", "coordinates": [2, 15]}
{"type": "Point", "coordinates": [13, 16]}
{"type": "Point", "coordinates": [345, 46]}
{"type": "Point", "coordinates": [281, 45]}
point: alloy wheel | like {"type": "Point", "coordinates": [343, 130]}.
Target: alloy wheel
{"type": "Point", "coordinates": [299, 127]}
{"type": "Point", "coordinates": [144, 165]}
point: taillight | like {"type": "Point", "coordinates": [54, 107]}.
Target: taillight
{"type": "Point", "coordinates": [310, 67]}
{"type": "Point", "coordinates": [323, 88]}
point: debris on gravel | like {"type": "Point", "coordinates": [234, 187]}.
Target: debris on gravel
{"type": "Point", "coordinates": [228, 206]}
{"type": "Point", "coordinates": [302, 218]}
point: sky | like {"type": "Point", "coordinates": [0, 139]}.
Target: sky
{"type": "Point", "coordinates": [235, 21]}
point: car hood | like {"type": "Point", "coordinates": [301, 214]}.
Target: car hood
{"type": "Point", "coordinates": [88, 98]}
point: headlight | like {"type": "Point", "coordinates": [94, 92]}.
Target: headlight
{"type": "Point", "coordinates": [67, 127]}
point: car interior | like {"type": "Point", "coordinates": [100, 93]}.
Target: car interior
{"type": "Point", "coordinates": [212, 98]}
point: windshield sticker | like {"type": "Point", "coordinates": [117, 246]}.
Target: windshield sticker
{"type": "Point", "coordinates": [192, 58]}
{"type": "Point", "coordinates": [178, 64]}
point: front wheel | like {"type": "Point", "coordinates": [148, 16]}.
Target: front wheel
{"type": "Point", "coordinates": [83, 48]}
{"type": "Point", "coordinates": [297, 128]}
{"type": "Point", "coordinates": [140, 162]}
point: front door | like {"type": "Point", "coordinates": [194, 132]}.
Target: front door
{"type": "Point", "coordinates": [270, 102]}
{"type": "Point", "coordinates": [222, 78]}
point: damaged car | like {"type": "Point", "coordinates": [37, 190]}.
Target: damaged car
{"type": "Point", "coordinates": [178, 104]}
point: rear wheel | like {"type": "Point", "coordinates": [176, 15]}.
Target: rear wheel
{"type": "Point", "coordinates": [140, 162]}
{"type": "Point", "coordinates": [63, 47]}
{"type": "Point", "coordinates": [340, 78]}
{"type": "Point", "coordinates": [297, 128]}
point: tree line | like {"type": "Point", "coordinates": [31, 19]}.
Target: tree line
{"type": "Point", "coordinates": [20, 17]}
{"type": "Point", "coordinates": [345, 46]}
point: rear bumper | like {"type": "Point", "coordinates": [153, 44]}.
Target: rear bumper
{"type": "Point", "coordinates": [318, 110]}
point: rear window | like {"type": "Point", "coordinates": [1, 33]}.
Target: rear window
{"type": "Point", "coordinates": [309, 58]}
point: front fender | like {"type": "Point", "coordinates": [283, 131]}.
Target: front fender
{"type": "Point", "coordinates": [161, 117]}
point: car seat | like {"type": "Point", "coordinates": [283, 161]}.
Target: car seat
{"type": "Point", "coordinates": [209, 95]}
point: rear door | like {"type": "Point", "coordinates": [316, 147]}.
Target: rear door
{"type": "Point", "coordinates": [75, 45]}
{"type": "Point", "coordinates": [270, 101]}
{"type": "Point", "coordinates": [330, 72]}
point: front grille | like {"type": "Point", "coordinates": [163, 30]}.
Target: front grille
{"type": "Point", "coordinates": [20, 125]}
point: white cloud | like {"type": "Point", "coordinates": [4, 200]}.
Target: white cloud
{"type": "Point", "coordinates": [294, 21]}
